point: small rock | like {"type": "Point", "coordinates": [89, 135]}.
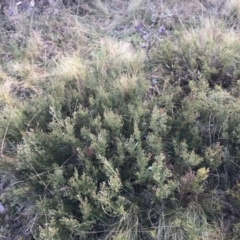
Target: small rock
{"type": "Point", "coordinates": [2, 209]}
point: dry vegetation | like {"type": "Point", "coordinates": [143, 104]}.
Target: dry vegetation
{"type": "Point", "coordinates": [120, 119]}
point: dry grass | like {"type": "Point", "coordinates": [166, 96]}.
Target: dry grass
{"type": "Point", "coordinates": [233, 9]}
{"type": "Point", "coordinates": [134, 6]}
{"type": "Point", "coordinates": [101, 7]}
{"type": "Point", "coordinates": [63, 48]}
{"type": "Point", "coordinates": [119, 56]}
{"type": "Point", "coordinates": [211, 34]}
{"type": "Point", "coordinates": [34, 46]}
{"type": "Point", "coordinates": [69, 68]}
{"type": "Point", "coordinates": [5, 93]}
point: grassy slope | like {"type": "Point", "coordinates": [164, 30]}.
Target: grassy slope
{"type": "Point", "coordinates": [42, 53]}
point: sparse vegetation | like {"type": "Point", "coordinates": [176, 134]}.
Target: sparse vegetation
{"type": "Point", "coordinates": [120, 120]}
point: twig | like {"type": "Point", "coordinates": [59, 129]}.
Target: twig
{"type": "Point", "coordinates": [4, 137]}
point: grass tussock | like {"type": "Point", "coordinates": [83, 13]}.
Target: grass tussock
{"type": "Point", "coordinates": [120, 120]}
{"type": "Point", "coordinates": [101, 7]}
{"type": "Point", "coordinates": [119, 56]}
{"type": "Point", "coordinates": [233, 9]}
{"type": "Point", "coordinates": [70, 68]}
